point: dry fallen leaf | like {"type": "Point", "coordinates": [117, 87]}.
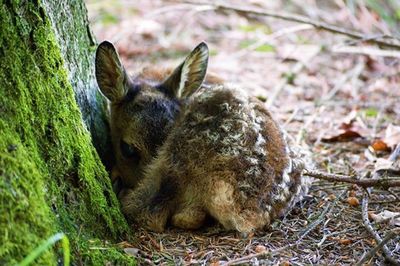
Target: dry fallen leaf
{"type": "Point", "coordinates": [353, 201]}
{"type": "Point", "coordinates": [379, 145]}
{"type": "Point", "coordinates": [382, 163]}
{"type": "Point", "coordinates": [346, 135]}
{"type": "Point", "coordinates": [383, 166]}
{"type": "Point", "coordinates": [392, 135]}
{"type": "Point", "coordinates": [392, 217]}
{"type": "Point", "coordinates": [285, 263]}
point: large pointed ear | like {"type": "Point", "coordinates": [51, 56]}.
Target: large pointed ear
{"type": "Point", "coordinates": [110, 73]}
{"type": "Point", "coordinates": [188, 76]}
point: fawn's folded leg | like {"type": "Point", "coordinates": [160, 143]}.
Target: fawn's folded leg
{"type": "Point", "coordinates": [224, 207]}
{"type": "Point", "coordinates": [150, 204]}
{"type": "Point", "coordinates": [190, 217]}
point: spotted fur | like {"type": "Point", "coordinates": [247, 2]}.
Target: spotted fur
{"type": "Point", "coordinates": [204, 150]}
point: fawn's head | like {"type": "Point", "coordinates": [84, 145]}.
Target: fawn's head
{"type": "Point", "coordinates": [144, 107]}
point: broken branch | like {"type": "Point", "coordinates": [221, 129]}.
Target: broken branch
{"type": "Point", "coordinates": [384, 183]}
{"type": "Point", "coordinates": [256, 255]}
{"type": "Point", "coordinates": [301, 19]}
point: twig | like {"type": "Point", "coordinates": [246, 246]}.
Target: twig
{"type": "Point", "coordinates": [383, 202]}
{"type": "Point", "coordinates": [375, 235]}
{"type": "Point", "coordinates": [319, 244]}
{"type": "Point", "coordinates": [301, 19]}
{"type": "Point", "coordinates": [365, 51]}
{"type": "Point", "coordinates": [384, 183]}
{"type": "Point", "coordinates": [271, 37]}
{"type": "Point", "coordinates": [255, 255]}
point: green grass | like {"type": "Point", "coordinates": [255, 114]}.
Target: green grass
{"type": "Point", "coordinates": [45, 246]}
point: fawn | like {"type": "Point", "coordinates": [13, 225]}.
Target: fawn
{"type": "Point", "coordinates": [187, 148]}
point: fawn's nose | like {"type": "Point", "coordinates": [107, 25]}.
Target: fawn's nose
{"type": "Point", "coordinates": [117, 185]}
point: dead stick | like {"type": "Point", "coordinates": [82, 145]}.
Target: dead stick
{"type": "Point", "coordinates": [301, 19]}
{"type": "Point", "coordinates": [255, 255]}
{"type": "Point", "coordinates": [374, 234]}
{"type": "Point", "coordinates": [384, 183]}
{"type": "Point", "coordinates": [246, 258]}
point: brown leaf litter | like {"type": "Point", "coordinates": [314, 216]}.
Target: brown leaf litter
{"type": "Point", "coordinates": [325, 99]}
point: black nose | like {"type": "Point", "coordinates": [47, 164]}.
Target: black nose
{"type": "Point", "coordinates": [117, 185]}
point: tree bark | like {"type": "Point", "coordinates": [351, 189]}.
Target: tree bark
{"type": "Point", "coordinates": [71, 27]}
{"type": "Point", "coordinates": [51, 177]}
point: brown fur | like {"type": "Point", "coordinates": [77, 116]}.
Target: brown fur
{"type": "Point", "coordinates": [220, 153]}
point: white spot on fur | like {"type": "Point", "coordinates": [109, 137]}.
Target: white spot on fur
{"type": "Point", "coordinates": [232, 137]}
{"type": "Point", "coordinates": [286, 174]}
{"type": "Point", "coordinates": [282, 193]}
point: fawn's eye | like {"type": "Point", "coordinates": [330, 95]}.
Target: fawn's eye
{"type": "Point", "coordinates": [129, 152]}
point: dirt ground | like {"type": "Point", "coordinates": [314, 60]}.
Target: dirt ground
{"type": "Point", "coordinates": [337, 95]}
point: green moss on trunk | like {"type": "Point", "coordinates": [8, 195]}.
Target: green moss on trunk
{"type": "Point", "coordinates": [51, 178]}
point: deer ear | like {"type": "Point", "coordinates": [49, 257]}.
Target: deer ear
{"type": "Point", "coordinates": [110, 73]}
{"type": "Point", "coordinates": [189, 75]}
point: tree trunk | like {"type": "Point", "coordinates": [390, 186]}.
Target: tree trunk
{"type": "Point", "coordinates": [71, 27]}
{"type": "Point", "coordinates": [51, 177]}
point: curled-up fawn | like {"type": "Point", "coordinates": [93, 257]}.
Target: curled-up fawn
{"type": "Point", "coordinates": [187, 148]}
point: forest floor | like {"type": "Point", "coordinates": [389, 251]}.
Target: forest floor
{"type": "Point", "coordinates": [338, 96]}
